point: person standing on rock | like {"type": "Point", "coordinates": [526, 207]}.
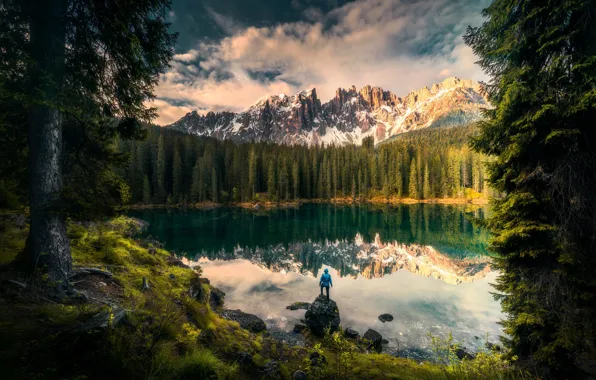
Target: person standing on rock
{"type": "Point", "coordinates": [325, 282]}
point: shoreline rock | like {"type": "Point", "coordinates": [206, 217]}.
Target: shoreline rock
{"type": "Point", "coordinates": [385, 318]}
{"type": "Point", "coordinates": [322, 314]}
{"type": "Point", "coordinates": [247, 321]}
{"type": "Point", "coordinates": [298, 306]}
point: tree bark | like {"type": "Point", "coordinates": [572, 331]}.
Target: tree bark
{"type": "Point", "coordinates": [47, 244]}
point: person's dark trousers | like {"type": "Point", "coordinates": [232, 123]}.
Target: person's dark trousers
{"type": "Point", "coordinates": [326, 289]}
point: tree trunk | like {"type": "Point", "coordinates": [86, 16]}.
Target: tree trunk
{"type": "Point", "coordinates": [48, 246]}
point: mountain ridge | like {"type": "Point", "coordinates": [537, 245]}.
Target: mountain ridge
{"type": "Point", "coordinates": [349, 117]}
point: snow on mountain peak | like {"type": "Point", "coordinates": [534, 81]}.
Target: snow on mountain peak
{"type": "Point", "coordinates": [348, 118]}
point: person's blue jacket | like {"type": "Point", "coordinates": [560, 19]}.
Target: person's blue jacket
{"type": "Point", "coordinates": [326, 279]}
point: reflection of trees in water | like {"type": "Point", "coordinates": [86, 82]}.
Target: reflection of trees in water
{"type": "Point", "coordinates": [350, 258]}
{"type": "Point", "coordinates": [447, 228]}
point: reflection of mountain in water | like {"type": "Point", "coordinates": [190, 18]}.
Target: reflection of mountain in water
{"type": "Point", "coordinates": [351, 258]}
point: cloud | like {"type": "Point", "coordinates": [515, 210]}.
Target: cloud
{"type": "Point", "coordinates": [396, 44]}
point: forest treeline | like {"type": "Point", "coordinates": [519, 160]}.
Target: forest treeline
{"type": "Point", "coordinates": [170, 167]}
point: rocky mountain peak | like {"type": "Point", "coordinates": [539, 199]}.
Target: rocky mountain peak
{"type": "Point", "coordinates": [349, 117]}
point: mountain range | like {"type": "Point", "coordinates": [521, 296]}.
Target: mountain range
{"type": "Point", "coordinates": [349, 117]}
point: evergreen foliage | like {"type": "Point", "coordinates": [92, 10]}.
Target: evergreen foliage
{"type": "Point", "coordinates": [542, 60]}
{"type": "Point", "coordinates": [291, 172]}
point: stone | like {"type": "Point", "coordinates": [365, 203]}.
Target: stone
{"type": "Point", "coordinates": [258, 207]}
{"type": "Point", "coordinates": [492, 346]}
{"type": "Point", "coordinates": [299, 375]}
{"type": "Point", "coordinates": [244, 359]}
{"type": "Point", "coordinates": [172, 276]}
{"type": "Point", "coordinates": [272, 370]}
{"type": "Point", "coordinates": [298, 328]}
{"type": "Point", "coordinates": [247, 321]}
{"type": "Point", "coordinates": [217, 297]}
{"type": "Point", "coordinates": [384, 341]}
{"type": "Point", "coordinates": [351, 333]}
{"type": "Point", "coordinates": [385, 318]}
{"type": "Point", "coordinates": [322, 314]}
{"type": "Point", "coordinates": [103, 320]}
{"type": "Point", "coordinates": [317, 359]}
{"type": "Point", "coordinates": [462, 354]}
{"type": "Point", "coordinates": [298, 305]}
{"type": "Point", "coordinates": [373, 337]}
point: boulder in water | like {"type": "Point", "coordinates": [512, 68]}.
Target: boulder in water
{"type": "Point", "coordinates": [298, 305]}
{"type": "Point", "coordinates": [385, 318]}
{"type": "Point", "coordinates": [374, 338]}
{"type": "Point", "coordinates": [299, 375]}
{"type": "Point", "coordinates": [247, 321]}
{"type": "Point", "coordinates": [322, 314]}
{"type": "Point", "coordinates": [351, 333]}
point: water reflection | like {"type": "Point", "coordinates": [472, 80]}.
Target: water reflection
{"type": "Point", "coordinates": [446, 228]}
{"type": "Point", "coordinates": [356, 257]}
{"type": "Point", "coordinates": [419, 304]}
{"type": "Point", "coordinates": [403, 260]}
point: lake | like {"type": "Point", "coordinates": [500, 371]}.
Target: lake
{"type": "Point", "coordinates": [425, 264]}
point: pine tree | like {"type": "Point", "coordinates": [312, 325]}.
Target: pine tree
{"type": "Point", "coordinates": [68, 75]}
{"type": "Point", "coordinates": [177, 176]}
{"type": "Point", "coordinates": [146, 190]}
{"type": "Point", "coordinates": [399, 182]}
{"type": "Point", "coordinates": [426, 189]}
{"type": "Point", "coordinates": [271, 181]}
{"type": "Point", "coordinates": [214, 186]}
{"type": "Point", "coordinates": [541, 57]}
{"type": "Point", "coordinates": [161, 169]}
{"type": "Point", "coordinates": [252, 173]}
{"type": "Point", "coordinates": [296, 180]}
{"type": "Point", "coordinates": [413, 185]}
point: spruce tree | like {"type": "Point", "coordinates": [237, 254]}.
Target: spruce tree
{"type": "Point", "coordinates": [177, 175]}
{"type": "Point", "coordinates": [161, 170]}
{"type": "Point", "coordinates": [79, 74]}
{"type": "Point", "coordinates": [426, 189]}
{"type": "Point", "coordinates": [146, 190]}
{"type": "Point", "coordinates": [413, 185]}
{"type": "Point", "coordinates": [541, 57]}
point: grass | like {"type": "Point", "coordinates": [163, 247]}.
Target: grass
{"type": "Point", "coordinates": [167, 334]}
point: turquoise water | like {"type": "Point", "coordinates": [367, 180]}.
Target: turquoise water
{"type": "Point", "coordinates": [425, 264]}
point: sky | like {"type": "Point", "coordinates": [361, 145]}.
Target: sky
{"type": "Point", "coordinates": [229, 54]}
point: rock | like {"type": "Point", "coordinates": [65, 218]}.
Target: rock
{"type": "Point", "coordinates": [258, 207]}
{"type": "Point", "coordinates": [244, 359]}
{"type": "Point", "coordinates": [298, 328]}
{"type": "Point", "coordinates": [317, 359]}
{"type": "Point", "coordinates": [19, 220]}
{"type": "Point", "coordinates": [493, 346]}
{"type": "Point", "coordinates": [384, 341]}
{"type": "Point", "coordinates": [172, 276]}
{"type": "Point", "coordinates": [175, 261]}
{"type": "Point", "coordinates": [152, 250]}
{"type": "Point", "coordinates": [299, 375]}
{"type": "Point", "coordinates": [207, 336]}
{"type": "Point", "coordinates": [103, 320]}
{"type": "Point", "coordinates": [385, 318]}
{"type": "Point", "coordinates": [298, 305]}
{"type": "Point", "coordinates": [217, 298]}
{"type": "Point", "coordinates": [247, 321]}
{"type": "Point", "coordinates": [272, 370]}
{"type": "Point", "coordinates": [374, 338]}
{"type": "Point", "coordinates": [351, 333]}
{"type": "Point", "coordinates": [322, 314]}
{"type": "Point", "coordinates": [462, 354]}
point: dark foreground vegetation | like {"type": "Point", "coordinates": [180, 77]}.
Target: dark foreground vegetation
{"type": "Point", "coordinates": [75, 76]}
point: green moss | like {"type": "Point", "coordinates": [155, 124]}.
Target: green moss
{"type": "Point", "coordinates": [12, 241]}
